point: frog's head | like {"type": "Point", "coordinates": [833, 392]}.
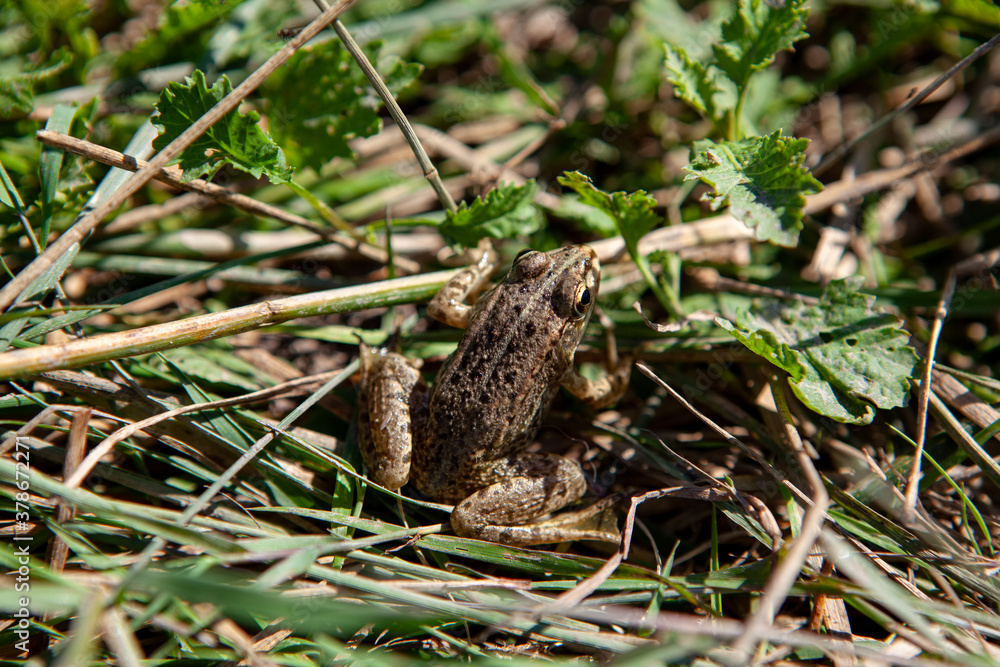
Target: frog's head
{"type": "Point", "coordinates": [568, 278]}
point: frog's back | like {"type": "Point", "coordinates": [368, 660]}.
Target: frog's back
{"type": "Point", "coordinates": [491, 394]}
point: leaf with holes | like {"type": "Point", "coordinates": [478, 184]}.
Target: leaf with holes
{"type": "Point", "coordinates": [761, 179]}
{"type": "Point", "coordinates": [235, 139]}
{"type": "Point", "coordinates": [844, 357]}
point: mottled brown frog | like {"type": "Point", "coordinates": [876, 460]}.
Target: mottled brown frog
{"type": "Point", "coordinates": [463, 441]}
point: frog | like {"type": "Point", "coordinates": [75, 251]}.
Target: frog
{"type": "Point", "coordinates": [463, 440]}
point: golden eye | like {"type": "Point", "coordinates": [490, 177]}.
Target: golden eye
{"type": "Point", "coordinates": [582, 300]}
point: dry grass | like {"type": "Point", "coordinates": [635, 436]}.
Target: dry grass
{"type": "Point", "coordinates": [180, 389]}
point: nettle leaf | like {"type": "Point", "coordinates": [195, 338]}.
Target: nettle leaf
{"type": "Point", "coordinates": [587, 217]}
{"type": "Point", "coordinates": [236, 139]}
{"type": "Point", "coordinates": [506, 211]}
{"type": "Point", "coordinates": [761, 179]}
{"type": "Point", "coordinates": [321, 99]}
{"type": "Point", "coordinates": [697, 84]}
{"type": "Point", "coordinates": [845, 358]}
{"type": "Point", "coordinates": [632, 212]}
{"type": "Point", "coordinates": [758, 31]}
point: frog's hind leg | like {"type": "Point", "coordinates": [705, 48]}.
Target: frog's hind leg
{"type": "Point", "coordinates": [530, 486]}
{"type": "Point", "coordinates": [392, 408]}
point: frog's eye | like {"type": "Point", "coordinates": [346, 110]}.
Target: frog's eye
{"type": "Point", "coordinates": [582, 300]}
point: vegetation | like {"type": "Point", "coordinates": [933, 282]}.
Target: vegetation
{"type": "Point", "coordinates": [795, 206]}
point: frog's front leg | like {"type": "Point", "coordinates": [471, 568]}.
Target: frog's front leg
{"type": "Point", "coordinates": [605, 390]}
{"type": "Point", "coordinates": [526, 487]}
{"type": "Point", "coordinates": [393, 406]}
{"type": "Point", "coordinates": [451, 304]}
{"type": "Point", "coordinates": [609, 388]}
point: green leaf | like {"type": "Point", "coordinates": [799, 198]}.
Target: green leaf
{"type": "Point", "coordinates": [507, 211]}
{"type": "Point", "coordinates": [236, 139]}
{"type": "Point", "coordinates": [758, 31]}
{"type": "Point", "coordinates": [181, 33]}
{"type": "Point", "coordinates": [697, 84]}
{"type": "Point", "coordinates": [844, 357]}
{"type": "Point", "coordinates": [634, 217]}
{"type": "Point", "coordinates": [50, 164]}
{"type": "Point", "coordinates": [519, 75]}
{"type": "Point", "coordinates": [321, 99]}
{"type": "Point", "coordinates": [211, 366]}
{"type": "Point", "coordinates": [632, 212]}
{"type": "Point", "coordinates": [63, 181]}
{"type": "Point", "coordinates": [17, 96]}
{"type": "Point", "coordinates": [761, 179]}
{"type": "Point", "coordinates": [587, 217]}
{"type": "Point", "coordinates": [40, 286]}
{"type": "Point", "coordinates": [17, 93]}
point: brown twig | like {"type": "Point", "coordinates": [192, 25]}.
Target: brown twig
{"type": "Point", "coordinates": [707, 231]}
{"type": "Point", "coordinates": [76, 446]}
{"type": "Point", "coordinates": [980, 51]}
{"type": "Point", "coordinates": [152, 212]}
{"type": "Point", "coordinates": [220, 194]}
{"type": "Point", "coordinates": [201, 328]}
{"type": "Point", "coordinates": [940, 314]}
{"type": "Point", "coordinates": [874, 181]}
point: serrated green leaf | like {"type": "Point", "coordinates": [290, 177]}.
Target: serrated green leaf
{"type": "Point", "coordinates": [761, 179]}
{"type": "Point", "coordinates": [844, 357]}
{"type": "Point", "coordinates": [236, 139]}
{"type": "Point", "coordinates": [321, 99]}
{"type": "Point", "coordinates": [697, 84]}
{"type": "Point", "coordinates": [506, 211]}
{"type": "Point", "coordinates": [632, 212]}
{"type": "Point", "coordinates": [757, 31]}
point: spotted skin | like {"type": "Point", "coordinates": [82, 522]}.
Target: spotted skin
{"type": "Point", "coordinates": [463, 441]}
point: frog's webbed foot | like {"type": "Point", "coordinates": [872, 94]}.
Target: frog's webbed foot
{"type": "Point", "coordinates": [532, 486]}
{"type": "Point", "coordinates": [597, 521]}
